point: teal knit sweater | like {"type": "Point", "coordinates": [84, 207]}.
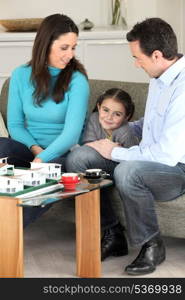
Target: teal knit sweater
{"type": "Point", "coordinates": [54, 127]}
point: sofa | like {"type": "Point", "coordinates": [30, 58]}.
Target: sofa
{"type": "Point", "coordinates": [171, 215]}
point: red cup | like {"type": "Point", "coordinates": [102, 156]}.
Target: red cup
{"type": "Point", "coordinates": [70, 180]}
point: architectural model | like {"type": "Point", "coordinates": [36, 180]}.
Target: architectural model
{"type": "Point", "coordinates": [51, 170]}
{"type": "Point", "coordinates": [13, 180]}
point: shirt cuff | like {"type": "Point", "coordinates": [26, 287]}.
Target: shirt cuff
{"type": "Point", "coordinates": [118, 154]}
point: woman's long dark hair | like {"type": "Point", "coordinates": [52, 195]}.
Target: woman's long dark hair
{"type": "Point", "coordinates": [50, 29]}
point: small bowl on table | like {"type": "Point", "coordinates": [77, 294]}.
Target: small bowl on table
{"type": "Point", "coordinates": [95, 175]}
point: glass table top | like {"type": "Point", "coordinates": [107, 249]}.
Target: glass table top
{"type": "Point", "coordinates": [50, 197]}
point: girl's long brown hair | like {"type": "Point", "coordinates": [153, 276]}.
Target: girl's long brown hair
{"type": "Point", "coordinates": [50, 29]}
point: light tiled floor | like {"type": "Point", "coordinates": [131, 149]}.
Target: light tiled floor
{"type": "Point", "coordinates": [50, 250]}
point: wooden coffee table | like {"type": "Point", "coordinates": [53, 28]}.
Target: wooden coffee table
{"type": "Point", "coordinates": [88, 233]}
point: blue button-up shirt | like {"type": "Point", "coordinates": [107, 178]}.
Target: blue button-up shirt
{"type": "Point", "coordinates": [163, 127]}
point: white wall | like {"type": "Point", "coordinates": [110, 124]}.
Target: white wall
{"type": "Point", "coordinates": [99, 11]}
{"type": "Point", "coordinates": [138, 10]}
{"type": "Point", "coordinates": [172, 12]}
{"type": "Point", "coordinates": [169, 10]}
{"type": "Point", "coordinates": [95, 10]}
{"type": "Point", "coordinates": [183, 25]}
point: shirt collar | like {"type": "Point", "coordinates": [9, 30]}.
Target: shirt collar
{"type": "Point", "coordinates": [172, 72]}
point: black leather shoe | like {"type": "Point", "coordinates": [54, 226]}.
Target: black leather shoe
{"type": "Point", "coordinates": [114, 242]}
{"type": "Point", "coordinates": [152, 254]}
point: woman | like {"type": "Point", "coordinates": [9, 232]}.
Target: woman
{"type": "Point", "coordinates": [48, 99]}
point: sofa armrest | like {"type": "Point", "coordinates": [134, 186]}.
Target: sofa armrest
{"type": "Point", "coordinates": [4, 99]}
{"type": "Point", "coordinates": [3, 130]}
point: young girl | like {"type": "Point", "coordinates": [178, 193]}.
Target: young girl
{"type": "Point", "coordinates": [114, 108]}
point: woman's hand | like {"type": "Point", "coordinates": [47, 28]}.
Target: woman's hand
{"type": "Point", "coordinates": [35, 149]}
{"type": "Point", "coordinates": [37, 160]}
{"type": "Point", "coordinates": [104, 147]}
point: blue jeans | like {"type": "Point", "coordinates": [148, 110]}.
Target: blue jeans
{"type": "Point", "coordinates": [140, 183]}
{"type": "Point", "coordinates": [85, 157]}
{"type": "Point", "coordinates": [12, 148]}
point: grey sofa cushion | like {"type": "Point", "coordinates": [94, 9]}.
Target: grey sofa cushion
{"type": "Point", "coordinates": [138, 92]}
{"type": "Point", "coordinates": [171, 217]}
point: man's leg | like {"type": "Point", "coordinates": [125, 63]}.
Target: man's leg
{"type": "Point", "coordinates": [140, 183]}
{"type": "Point", "coordinates": [113, 241]}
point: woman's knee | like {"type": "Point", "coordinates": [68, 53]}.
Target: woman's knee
{"type": "Point", "coordinates": [5, 146]}
{"type": "Point", "coordinates": [4, 141]}
{"type": "Point", "coordinates": [12, 148]}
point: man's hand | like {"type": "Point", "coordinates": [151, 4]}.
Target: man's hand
{"type": "Point", "coordinates": [104, 147]}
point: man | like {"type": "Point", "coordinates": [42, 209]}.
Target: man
{"type": "Point", "coordinates": [155, 169]}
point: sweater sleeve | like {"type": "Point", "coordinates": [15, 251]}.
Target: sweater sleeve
{"type": "Point", "coordinates": [78, 96]}
{"type": "Point", "coordinates": [15, 114]}
{"type": "Point", "coordinates": [125, 136]}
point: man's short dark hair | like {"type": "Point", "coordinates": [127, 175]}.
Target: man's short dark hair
{"type": "Point", "coordinates": [154, 34]}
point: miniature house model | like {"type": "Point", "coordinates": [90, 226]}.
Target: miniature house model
{"type": "Point", "coordinates": [3, 160]}
{"type": "Point", "coordinates": [9, 184]}
{"type": "Point", "coordinates": [30, 177]}
{"type": "Point", "coordinates": [6, 169]}
{"type": "Point", "coordinates": [51, 170]}
{"type": "Point", "coordinates": [35, 176]}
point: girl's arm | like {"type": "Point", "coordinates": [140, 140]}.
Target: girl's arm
{"type": "Point", "coordinates": [125, 136]}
